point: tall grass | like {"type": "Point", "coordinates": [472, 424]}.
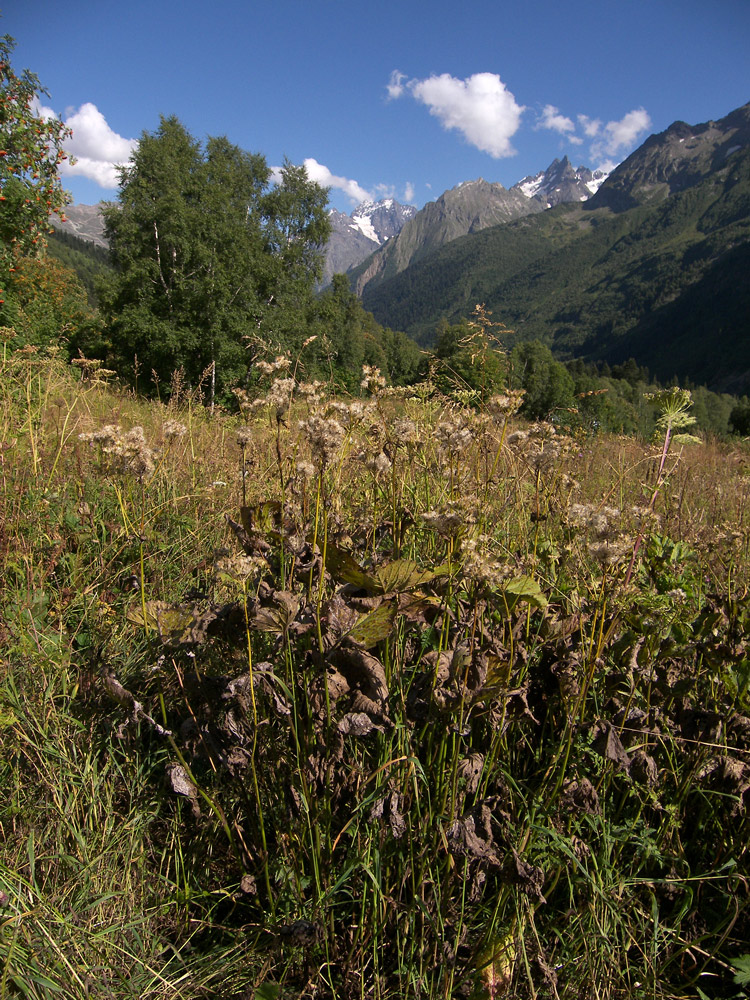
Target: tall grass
{"type": "Point", "coordinates": [386, 697]}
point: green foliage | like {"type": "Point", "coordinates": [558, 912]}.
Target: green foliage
{"type": "Point", "coordinates": [546, 382]}
{"type": "Point", "coordinates": [663, 282]}
{"type": "Point", "coordinates": [206, 255]}
{"type": "Point", "coordinates": [30, 154]}
{"type": "Point", "coordinates": [348, 337]}
{"type": "Point", "coordinates": [47, 305]}
{"type": "Point", "coordinates": [471, 356]}
{"type": "Point", "coordinates": [739, 418]}
{"type": "Point", "coordinates": [89, 261]}
{"type": "Point", "coordinates": [401, 723]}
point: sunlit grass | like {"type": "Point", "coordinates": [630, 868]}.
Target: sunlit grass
{"type": "Point", "coordinates": [378, 697]}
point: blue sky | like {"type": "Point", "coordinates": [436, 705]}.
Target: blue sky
{"type": "Point", "coordinates": [401, 99]}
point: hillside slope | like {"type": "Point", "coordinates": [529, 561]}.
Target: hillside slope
{"type": "Point", "coordinates": [652, 266]}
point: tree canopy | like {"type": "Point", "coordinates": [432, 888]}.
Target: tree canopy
{"type": "Point", "coordinates": [31, 150]}
{"type": "Point", "coordinates": [208, 252]}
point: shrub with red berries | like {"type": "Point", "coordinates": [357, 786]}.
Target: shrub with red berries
{"type": "Point", "coordinates": [31, 150]}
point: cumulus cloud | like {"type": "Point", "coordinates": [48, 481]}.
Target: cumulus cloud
{"type": "Point", "coordinates": [95, 147]}
{"type": "Point", "coordinates": [323, 176]}
{"type": "Point", "coordinates": [590, 126]}
{"type": "Point", "coordinates": [617, 137]}
{"type": "Point", "coordinates": [552, 119]}
{"type": "Point", "coordinates": [409, 193]}
{"type": "Point", "coordinates": [556, 122]}
{"type": "Point", "coordinates": [608, 141]}
{"type": "Point", "coordinates": [480, 107]}
{"type": "Point", "coordinates": [98, 150]}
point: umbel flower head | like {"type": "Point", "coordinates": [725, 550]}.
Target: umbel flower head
{"type": "Point", "coordinates": [673, 404]}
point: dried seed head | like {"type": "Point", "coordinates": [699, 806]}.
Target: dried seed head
{"type": "Point", "coordinates": [479, 565]}
{"type": "Point", "coordinates": [280, 396]}
{"type": "Point", "coordinates": [454, 435]}
{"type": "Point", "coordinates": [173, 429]}
{"type": "Point", "coordinates": [326, 437]}
{"type": "Point", "coordinates": [244, 437]}
{"type": "Point", "coordinates": [372, 380]}
{"type": "Point", "coordinates": [405, 432]}
{"type": "Point", "coordinates": [305, 469]}
{"type": "Point", "coordinates": [611, 552]}
{"type": "Point", "coordinates": [380, 464]}
{"type": "Point", "coordinates": [506, 404]}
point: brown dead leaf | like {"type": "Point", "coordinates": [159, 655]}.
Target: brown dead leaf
{"type": "Point", "coordinates": [608, 744]}
{"type": "Point", "coordinates": [362, 670]}
{"type": "Point", "coordinates": [471, 837]}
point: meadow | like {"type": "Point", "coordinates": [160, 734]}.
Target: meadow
{"type": "Point", "coordinates": [386, 696]}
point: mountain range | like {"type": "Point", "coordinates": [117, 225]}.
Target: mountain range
{"type": "Point", "coordinates": [372, 226]}
{"type": "Point", "coordinates": [649, 262]}
{"type": "Point", "coordinates": [469, 208]}
{"type": "Point", "coordinates": [653, 265]}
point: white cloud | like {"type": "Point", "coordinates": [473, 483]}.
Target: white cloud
{"type": "Point", "coordinates": [409, 193]}
{"type": "Point", "coordinates": [480, 107]}
{"type": "Point", "coordinates": [395, 86]}
{"type": "Point", "coordinates": [96, 149]}
{"type": "Point", "coordinates": [615, 138]}
{"type": "Point", "coordinates": [323, 176]}
{"type": "Point", "coordinates": [552, 119]}
{"type": "Point", "coordinates": [590, 126]}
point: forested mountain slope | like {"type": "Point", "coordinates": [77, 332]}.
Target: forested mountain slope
{"type": "Point", "coordinates": [653, 266]}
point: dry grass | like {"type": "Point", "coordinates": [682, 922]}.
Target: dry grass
{"type": "Point", "coordinates": [366, 698]}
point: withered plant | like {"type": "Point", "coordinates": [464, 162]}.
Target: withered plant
{"type": "Point", "coordinates": [376, 697]}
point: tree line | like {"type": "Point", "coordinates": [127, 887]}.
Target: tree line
{"type": "Point", "coordinates": [214, 262]}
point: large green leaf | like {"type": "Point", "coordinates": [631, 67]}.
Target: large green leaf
{"type": "Point", "coordinates": [344, 567]}
{"type": "Point", "coordinates": [375, 626]}
{"type": "Point", "coordinates": [523, 588]}
{"type": "Point", "coordinates": [403, 574]}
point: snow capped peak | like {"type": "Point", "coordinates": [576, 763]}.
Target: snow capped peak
{"type": "Point", "coordinates": [377, 221]}
{"type": "Point", "coordinates": [561, 182]}
{"type": "Point", "coordinates": [597, 179]}
{"type": "Point", "coordinates": [361, 220]}
{"type": "Point", "coordinates": [531, 186]}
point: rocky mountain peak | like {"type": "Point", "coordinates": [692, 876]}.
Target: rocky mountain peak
{"type": "Point", "coordinates": [674, 160]}
{"type": "Point", "coordinates": [561, 182]}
